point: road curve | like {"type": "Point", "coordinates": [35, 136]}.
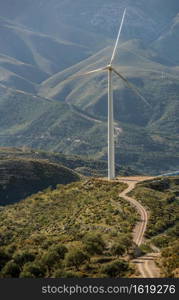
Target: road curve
{"type": "Point", "coordinates": [146, 264]}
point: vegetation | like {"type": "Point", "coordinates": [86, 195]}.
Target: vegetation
{"type": "Point", "coordinates": [21, 177]}
{"type": "Point", "coordinates": [81, 165]}
{"type": "Point", "coordinates": [161, 196]}
{"type": "Point", "coordinates": [43, 107]}
{"type": "Point", "coordinates": [71, 231]}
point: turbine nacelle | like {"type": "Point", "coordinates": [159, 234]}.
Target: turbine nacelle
{"type": "Point", "coordinates": [109, 67]}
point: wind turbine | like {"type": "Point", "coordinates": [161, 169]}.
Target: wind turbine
{"type": "Point", "coordinates": [109, 68]}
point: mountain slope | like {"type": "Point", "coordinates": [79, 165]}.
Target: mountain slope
{"type": "Point", "coordinates": [81, 165]}
{"type": "Point", "coordinates": [20, 178]}
{"type": "Point", "coordinates": [23, 49]}
{"type": "Point", "coordinates": [167, 44]}
{"type": "Point", "coordinates": [38, 55]}
{"type": "Point", "coordinates": [69, 216]}
{"type": "Point", "coordinates": [136, 62]}
{"type": "Point", "coordinates": [32, 121]}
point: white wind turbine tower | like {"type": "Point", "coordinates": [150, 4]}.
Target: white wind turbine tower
{"type": "Point", "coordinates": [109, 68]}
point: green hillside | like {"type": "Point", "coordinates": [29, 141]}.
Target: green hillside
{"type": "Point", "coordinates": [73, 231]}
{"type": "Point", "coordinates": [39, 123]}
{"type": "Point", "coordinates": [81, 165]}
{"type": "Point", "coordinates": [20, 178]}
{"type": "Point", "coordinates": [161, 197]}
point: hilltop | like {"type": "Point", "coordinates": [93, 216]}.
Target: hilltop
{"type": "Point", "coordinates": [80, 165]}
{"type": "Point", "coordinates": [25, 171]}
{"type": "Point", "coordinates": [20, 177]}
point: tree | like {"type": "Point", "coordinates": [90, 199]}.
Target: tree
{"type": "Point", "coordinates": [94, 243]}
{"type": "Point", "coordinates": [117, 268]}
{"type": "Point", "coordinates": [32, 270]}
{"type": "Point", "coordinates": [11, 269]}
{"type": "Point", "coordinates": [50, 258]}
{"type": "Point", "coordinates": [66, 274]}
{"type": "Point", "coordinates": [60, 249]}
{"type": "Point", "coordinates": [117, 249]}
{"type": "Point", "coordinates": [23, 257]}
{"type": "Point", "coordinates": [4, 258]}
{"type": "Point", "coordinates": [76, 257]}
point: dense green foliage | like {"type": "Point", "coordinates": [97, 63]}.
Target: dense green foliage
{"type": "Point", "coordinates": [161, 196]}
{"type": "Point", "coordinates": [68, 232]}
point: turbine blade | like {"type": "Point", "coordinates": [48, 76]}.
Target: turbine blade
{"type": "Point", "coordinates": [87, 73]}
{"type": "Point", "coordinates": [132, 87]}
{"type": "Point", "coordinates": [118, 36]}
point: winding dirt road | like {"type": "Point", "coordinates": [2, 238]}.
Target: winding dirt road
{"type": "Point", "coordinates": [145, 264]}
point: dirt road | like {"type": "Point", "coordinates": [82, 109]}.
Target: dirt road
{"type": "Point", "coordinates": [146, 264]}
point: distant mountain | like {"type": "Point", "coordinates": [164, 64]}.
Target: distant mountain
{"type": "Point", "coordinates": [167, 44]}
{"type": "Point", "coordinates": [35, 56]}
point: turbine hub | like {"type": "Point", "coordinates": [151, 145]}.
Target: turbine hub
{"type": "Point", "coordinates": [109, 67]}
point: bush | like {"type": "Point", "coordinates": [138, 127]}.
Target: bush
{"type": "Point", "coordinates": [145, 248]}
{"type": "Point", "coordinates": [4, 258]}
{"type": "Point", "coordinates": [125, 240]}
{"type": "Point", "coordinates": [115, 269]}
{"type": "Point", "coordinates": [94, 243]}
{"type": "Point", "coordinates": [161, 241]}
{"type": "Point", "coordinates": [25, 274]}
{"type": "Point", "coordinates": [10, 249]}
{"type": "Point", "coordinates": [32, 270]}
{"type": "Point", "coordinates": [23, 257]}
{"type": "Point", "coordinates": [60, 249]}
{"type": "Point", "coordinates": [50, 258]}
{"type": "Point", "coordinates": [11, 269]}
{"type": "Point", "coordinates": [75, 258]}
{"type": "Point", "coordinates": [67, 274]}
{"type": "Point", "coordinates": [117, 249]}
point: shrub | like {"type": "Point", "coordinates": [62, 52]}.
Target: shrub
{"type": "Point", "coordinates": [11, 249]}
{"type": "Point", "coordinates": [161, 241]}
{"type": "Point", "coordinates": [94, 243]}
{"type": "Point", "coordinates": [32, 270]}
{"type": "Point", "coordinates": [117, 249]}
{"type": "Point", "coordinates": [25, 274]}
{"type": "Point", "coordinates": [117, 268]}
{"type": "Point", "coordinates": [75, 258]}
{"type": "Point", "coordinates": [125, 240]}
{"type": "Point", "coordinates": [4, 258]}
{"type": "Point", "coordinates": [23, 257]}
{"type": "Point", "coordinates": [47, 244]}
{"type": "Point", "coordinates": [11, 269]}
{"type": "Point", "coordinates": [67, 274]}
{"type": "Point", "coordinates": [50, 258]}
{"type": "Point", "coordinates": [60, 249]}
